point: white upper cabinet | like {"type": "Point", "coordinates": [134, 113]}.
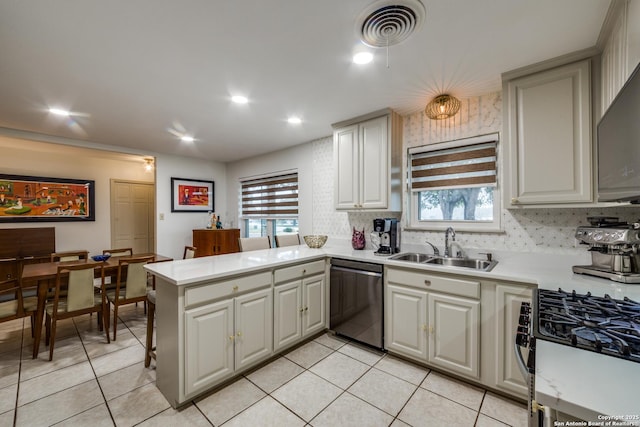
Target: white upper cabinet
{"type": "Point", "coordinates": [367, 156]}
{"type": "Point", "coordinates": [548, 148]}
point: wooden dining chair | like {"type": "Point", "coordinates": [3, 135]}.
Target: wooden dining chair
{"type": "Point", "coordinates": [69, 256]}
{"type": "Point", "coordinates": [80, 299]}
{"type": "Point", "coordinates": [13, 305]}
{"type": "Point", "coordinates": [150, 350]}
{"type": "Point", "coordinates": [118, 252]}
{"type": "Point", "coordinates": [254, 243]}
{"type": "Point", "coordinates": [189, 252]}
{"type": "Point", "coordinates": [287, 240]}
{"type": "Point", "coordinates": [131, 285]}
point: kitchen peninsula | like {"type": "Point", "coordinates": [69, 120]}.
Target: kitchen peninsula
{"type": "Point", "coordinates": [204, 302]}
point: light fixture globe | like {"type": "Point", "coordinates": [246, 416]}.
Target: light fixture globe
{"type": "Point", "coordinates": [442, 107]}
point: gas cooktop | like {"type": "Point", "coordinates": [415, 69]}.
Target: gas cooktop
{"type": "Point", "coordinates": [600, 324]}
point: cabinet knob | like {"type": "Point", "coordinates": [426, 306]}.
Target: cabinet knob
{"type": "Point", "coordinates": [424, 327]}
{"type": "Point", "coordinates": [514, 201]}
{"type": "Point", "coordinates": [239, 334]}
{"type": "Point", "coordinates": [355, 206]}
{"type": "Point", "coordinates": [304, 271]}
{"type": "Point", "coordinates": [301, 310]}
{"type": "Point", "coordinates": [235, 288]}
{"type": "Point", "coordinates": [431, 329]}
{"type": "Point", "coordinates": [427, 282]}
{"type": "Point", "coordinates": [231, 337]}
{"type": "Point", "coordinates": [306, 309]}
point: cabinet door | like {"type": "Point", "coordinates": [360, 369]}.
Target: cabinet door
{"type": "Point", "coordinates": [208, 345]}
{"type": "Point", "coordinates": [508, 301]}
{"type": "Point", "coordinates": [254, 327]}
{"type": "Point", "coordinates": [314, 304]}
{"type": "Point", "coordinates": [406, 321]}
{"type": "Point", "coordinates": [345, 152]}
{"type": "Point", "coordinates": [287, 310]}
{"type": "Point", "coordinates": [549, 122]}
{"type": "Point", "coordinates": [374, 163]}
{"type": "Point", "coordinates": [228, 241]}
{"type": "Point", "coordinates": [454, 333]}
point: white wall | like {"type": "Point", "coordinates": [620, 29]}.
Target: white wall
{"type": "Point", "coordinates": [176, 229]}
{"type": "Point", "coordinates": [27, 157]}
{"type": "Point", "coordinates": [299, 158]}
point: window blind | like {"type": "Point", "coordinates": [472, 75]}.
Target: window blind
{"type": "Point", "coordinates": [274, 196]}
{"type": "Point", "coordinates": [458, 167]}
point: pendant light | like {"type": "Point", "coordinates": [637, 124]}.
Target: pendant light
{"type": "Point", "coordinates": [442, 107]}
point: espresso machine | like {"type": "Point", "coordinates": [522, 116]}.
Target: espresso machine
{"type": "Point", "coordinates": [388, 232]}
{"type": "Point", "coordinates": [614, 249]}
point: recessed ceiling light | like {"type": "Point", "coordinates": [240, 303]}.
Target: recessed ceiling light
{"type": "Point", "coordinates": [294, 120]}
{"type": "Point", "coordinates": [362, 58]}
{"type": "Point", "coordinates": [187, 138]}
{"type": "Point", "coordinates": [59, 112]}
{"type": "Point", "coordinates": [239, 99]}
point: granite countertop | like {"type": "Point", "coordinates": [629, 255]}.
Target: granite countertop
{"type": "Point", "coordinates": [579, 382]}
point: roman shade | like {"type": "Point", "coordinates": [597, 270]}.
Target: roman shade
{"type": "Point", "coordinates": [457, 165]}
{"type": "Point", "coordinates": [270, 197]}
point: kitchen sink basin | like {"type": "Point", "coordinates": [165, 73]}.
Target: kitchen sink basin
{"type": "Point", "coordinates": [411, 257]}
{"type": "Point", "coordinates": [476, 264]}
{"type": "Point", "coordinates": [419, 258]}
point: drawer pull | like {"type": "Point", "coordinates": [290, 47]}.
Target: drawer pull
{"type": "Point", "coordinates": [235, 288]}
{"type": "Point", "coordinates": [304, 271]}
{"type": "Point", "coordinates": [427, 282]}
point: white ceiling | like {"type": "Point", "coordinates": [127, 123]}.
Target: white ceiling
{"type": "Point", "coordinates": [136, 72]}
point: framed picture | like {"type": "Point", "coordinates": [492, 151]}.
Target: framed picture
{"type": "Point", "coordinates": [45, 199]}
{"type": "Point", "coordinates": [191, 195]}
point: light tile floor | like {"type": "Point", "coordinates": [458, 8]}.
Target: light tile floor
{"type": "Point", "coordinates": [325, 382]}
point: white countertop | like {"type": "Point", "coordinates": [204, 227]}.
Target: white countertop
{"type": "Point", "coordinates": [579, 382]}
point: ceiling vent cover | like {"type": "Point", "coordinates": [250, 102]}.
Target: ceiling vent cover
{"type": "Point", "coordinates": [390, 22]}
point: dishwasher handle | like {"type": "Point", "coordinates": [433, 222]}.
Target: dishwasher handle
{"type": "Point", "coordinates": [361, 272]}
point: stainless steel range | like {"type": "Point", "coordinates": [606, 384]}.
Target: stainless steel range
{"type": "Point", "coordinates": [614, 249]}
{"type": "Point", "coordinates": [601, 324]}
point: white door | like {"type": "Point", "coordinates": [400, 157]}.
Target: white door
{"type": "Point", "coordinates": [287, 314]}
{"type": "Point", "coordinates": [508, 301]}
{"type": "Point", "coordinates": [132, 216]}
{"type": "Point", "coordinates": [374, 163]}
{"type": "Point", "coordinates": [254, 327]}
{"type": "Point", "coordinates": [406, 321]}
{"type": "Point", "coordinates": [313, 302]}
{"type": "Point", "coordinates": [454, 333]}
{"type": "Point", "coordinates": [345, 153]}
{"type": "Point", "coordinates": [208, 345]}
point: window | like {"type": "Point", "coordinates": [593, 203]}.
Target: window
{"type": "Point", "coordinates": [455, 184]}
{"type": "Point", "coordinates": [270, 205]}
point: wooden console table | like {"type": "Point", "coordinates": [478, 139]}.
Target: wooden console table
{"type": "Point", "coordinates": [215, 242]}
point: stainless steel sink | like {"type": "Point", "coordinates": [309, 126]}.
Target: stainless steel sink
{"type": "Point", "coordinates": [411, 257]}
{"type": "Point", "coordinates": [476, 264]}
{"type": "Point", "coordinates": [419, 258]}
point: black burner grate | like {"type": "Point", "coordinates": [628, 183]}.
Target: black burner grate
{"type": "Point", "coordinates": [601, 324]}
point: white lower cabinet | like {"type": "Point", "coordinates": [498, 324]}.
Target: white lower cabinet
{"type": "Point", "coordinates": [508, 301]}
{"type": "Point", "coordinates": [299, 310]}
{"type": "Point", "coordinates": [225, 336]}
{"type": "Point", "coordinates": [454, 333]}
{"type": "Point", "coordinates": [440, 329]}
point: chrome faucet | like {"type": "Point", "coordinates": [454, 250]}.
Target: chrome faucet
{"type": "Point", "coordinates": [447, 248]}
{"type": "Point", "coordinates": [436, 252]}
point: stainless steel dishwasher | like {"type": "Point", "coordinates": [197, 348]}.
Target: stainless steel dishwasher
{"type": "Point", "coordinates": [356, 301]}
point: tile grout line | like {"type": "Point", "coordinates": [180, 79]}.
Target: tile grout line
{"type": "Point", "coordinates": [15, 407]}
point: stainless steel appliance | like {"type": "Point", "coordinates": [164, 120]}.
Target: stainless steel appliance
{"type": "Point", "coordinates": [387, 230]}
{"type": "Point", "coordinates": [614, 249]}
{"type": "Point", "coordinates": [356, 301]}
{"type": "Point", "coordinates": [599, 324]}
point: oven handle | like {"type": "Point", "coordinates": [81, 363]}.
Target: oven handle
{"type": "Point", "coordinates": [520, 360]}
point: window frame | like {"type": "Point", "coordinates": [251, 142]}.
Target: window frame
{"type": "Point", "coordinates": [414, 223]}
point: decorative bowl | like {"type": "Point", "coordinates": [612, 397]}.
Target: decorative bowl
{"type": "Point", "coordinates": [101, 258]}
{"type": "Point", "coordinates": [315, 240]}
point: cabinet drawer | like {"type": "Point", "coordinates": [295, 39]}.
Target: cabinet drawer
{"type": "Point", "coordinates": [429, 282]}
{"type": "Point", "coordinates": [231, 287]}
{"type": "Point", "coordinates": [300, 270]}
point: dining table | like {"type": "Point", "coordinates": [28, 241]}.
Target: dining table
{"type": "Point", "coordinates": [43, 276]}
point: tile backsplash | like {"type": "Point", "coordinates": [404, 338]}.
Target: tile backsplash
{"type": "Point", "coordinates": [524, 230]}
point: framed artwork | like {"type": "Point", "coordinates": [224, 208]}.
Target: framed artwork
{"type": "Point", "coordinates": [45, 199]}
{"type": "Point", "coordinates": [191, 195]}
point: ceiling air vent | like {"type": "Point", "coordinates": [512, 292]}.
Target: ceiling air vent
{"type": "Point", "coordinates": [390, 22]}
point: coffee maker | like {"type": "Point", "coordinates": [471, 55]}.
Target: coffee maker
{"type": "Point", "coordinates": [388, 232]}
{"type": "Point", "coordinates": [614, 249]}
